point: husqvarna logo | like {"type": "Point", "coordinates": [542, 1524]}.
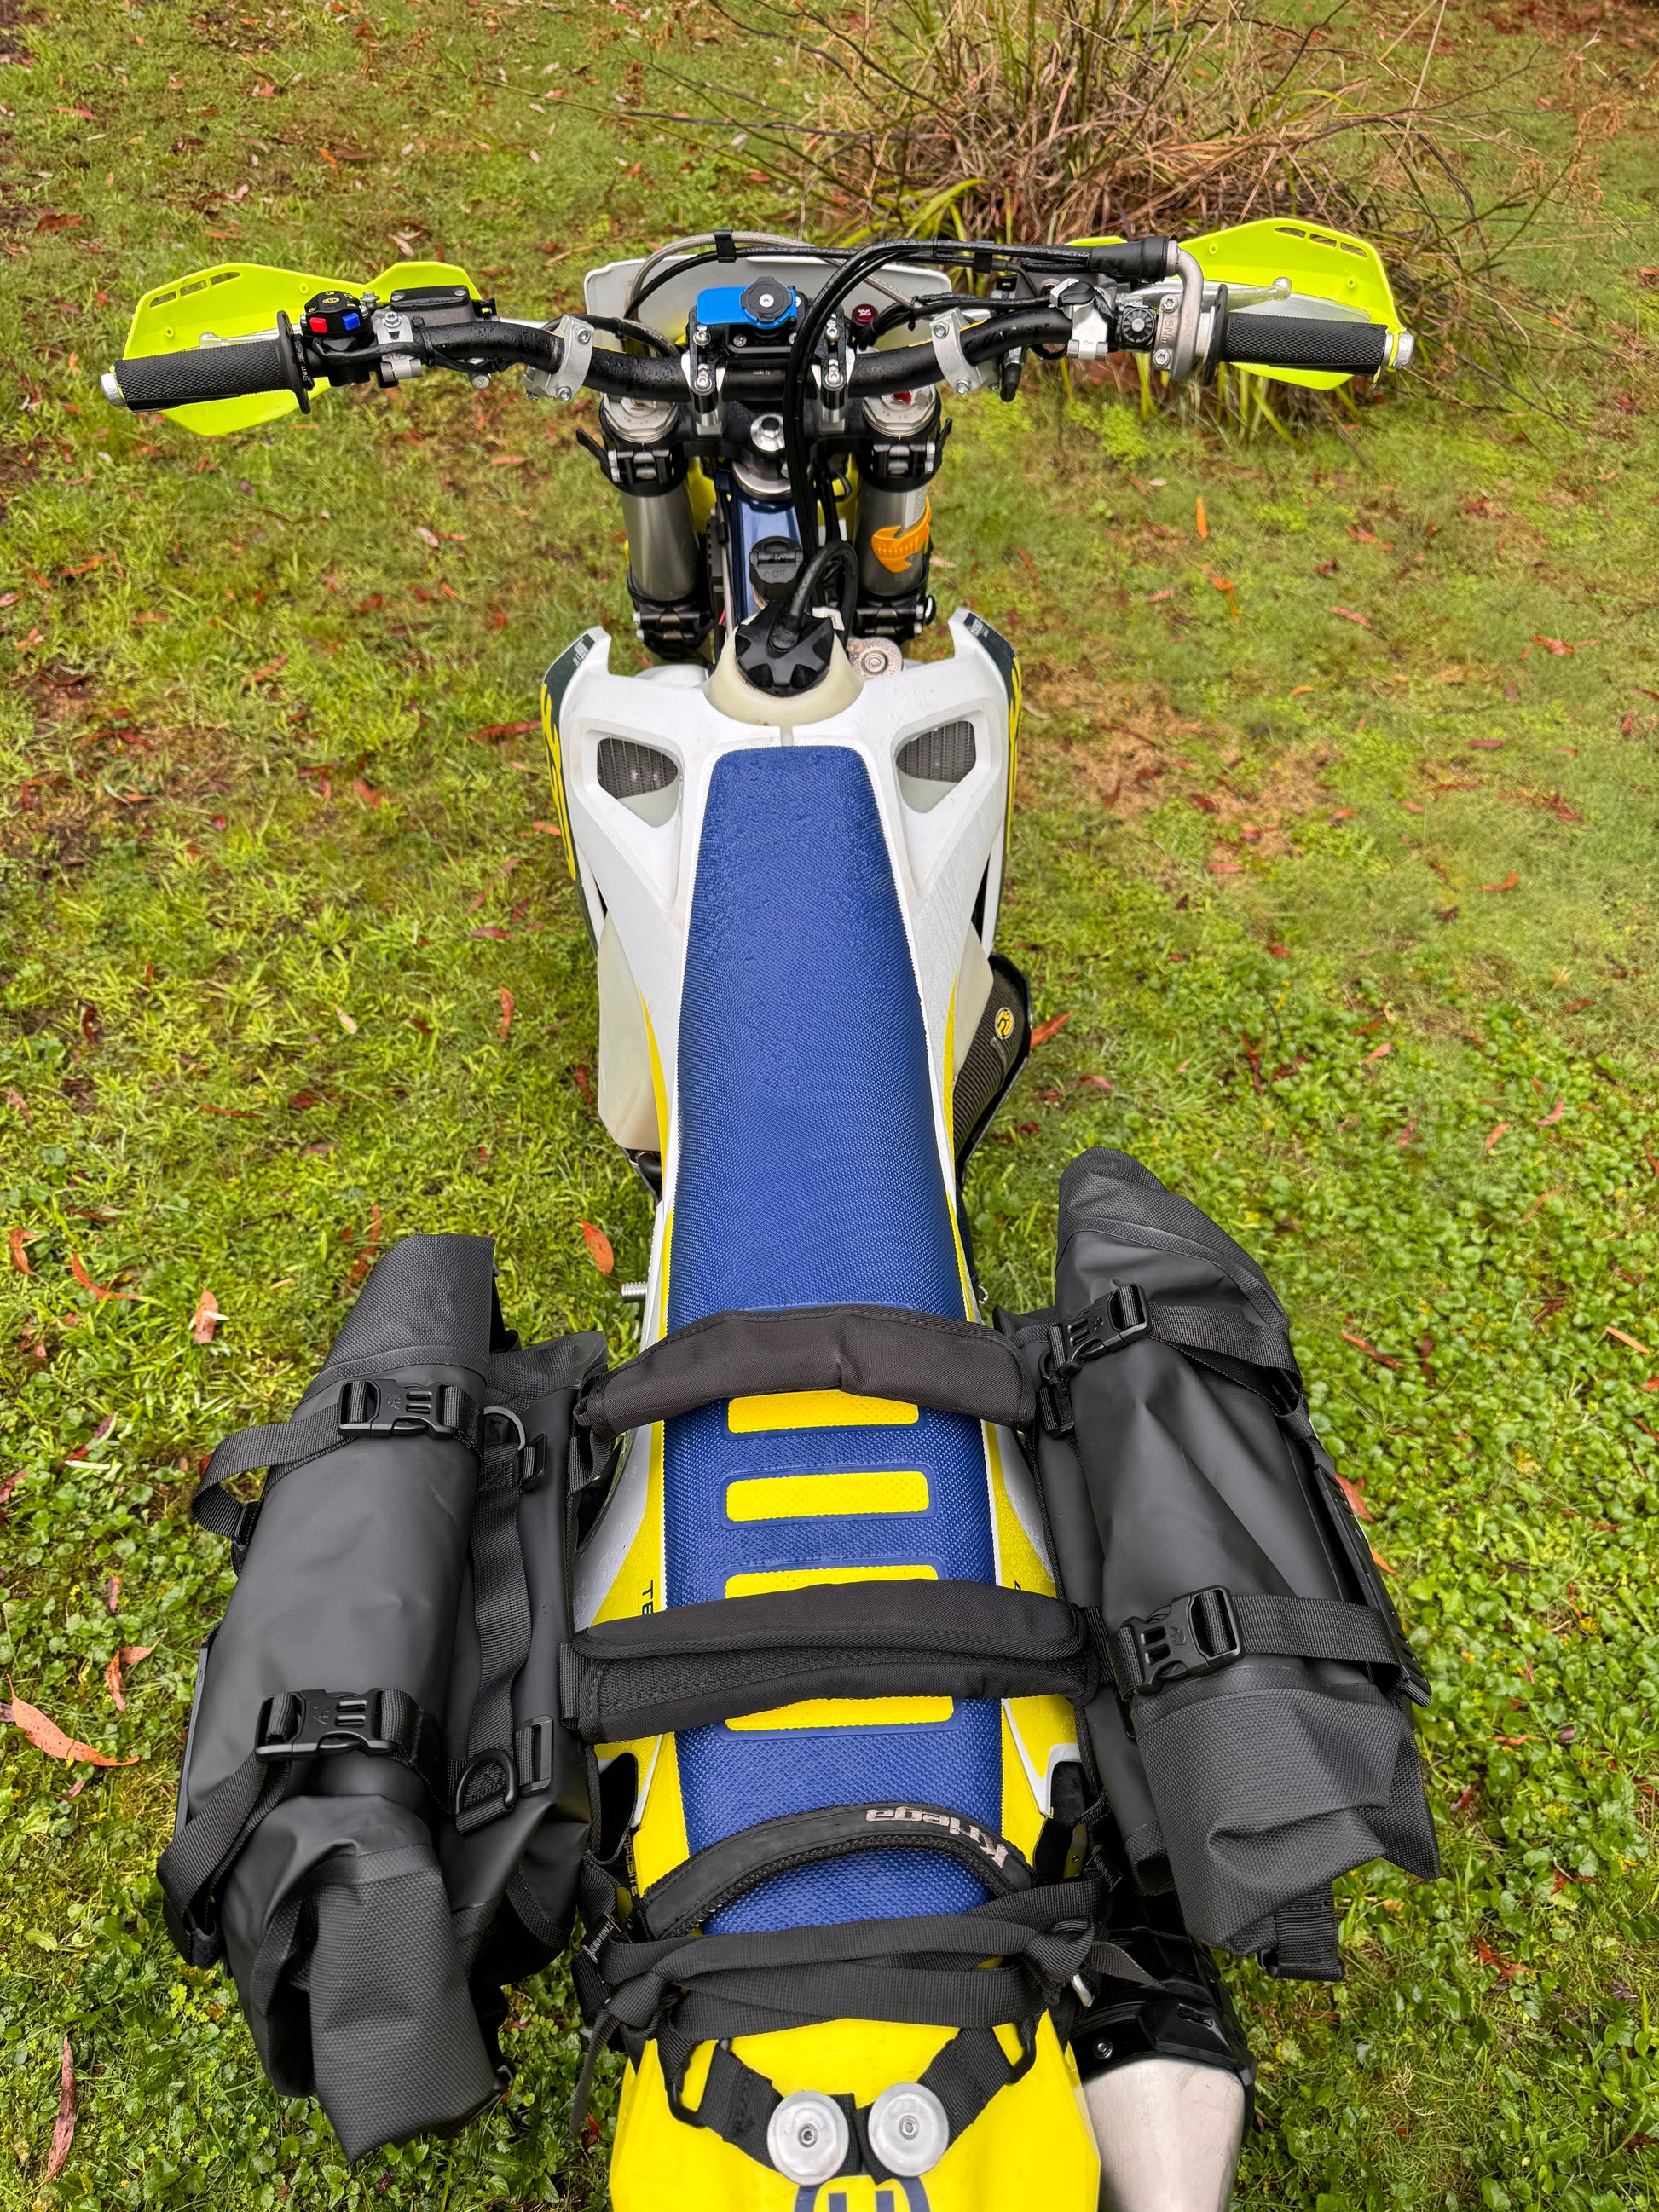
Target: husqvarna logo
{"type": "Point", "coordinates": [924, 1816]}
{"type": "Point", "coordinates": [863, 2195]}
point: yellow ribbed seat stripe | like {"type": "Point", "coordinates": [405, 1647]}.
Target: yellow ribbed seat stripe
{"type": "Point", "coordinates": [815, 1409]}
{"type": "Point", "coordinates": [819, 1496]}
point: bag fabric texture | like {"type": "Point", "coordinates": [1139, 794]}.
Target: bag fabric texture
{"type": "Point", "coordinates": [360, 1917]}
{"type": "Point", "coordinates": [1248, 1788]}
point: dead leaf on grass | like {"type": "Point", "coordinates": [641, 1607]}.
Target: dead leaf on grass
{"type": "Point", "coordinates": [598, 1247]}
{"type": "Point", "coordinates": [128, 1656]}
{"type": "Point", "coordinates": [63, 2133]}
{"type": "Point", "coordinates": [1370, 1351]}
{"type": "Point", "coordinates": [45, 1735]}
{"type": "Point", "coordinates": [1350, 1492]}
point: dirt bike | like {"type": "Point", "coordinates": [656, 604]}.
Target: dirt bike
{"type": "Point", "coordinates": [788, 839]}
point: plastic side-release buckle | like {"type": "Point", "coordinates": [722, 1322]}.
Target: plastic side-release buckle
{"type": "Point", "coordinates": [382, 1409]}
{"type": "Point", "coordinates": [242, 1535]}
{"type": "Point", "coordinates": [587, 1972]}
{"type": "Point", "coordinates": [1110, 1322]}
{"type": "Point", "coordinates": [1191, 1636]}
{"type": "Point", "coordinates": [313, 1724]}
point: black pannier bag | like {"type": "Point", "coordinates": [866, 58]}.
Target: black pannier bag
{"type": "Point", "coordinates": [337, 1794]}
{"type": "Point", "coordinates": [1258, 1744]}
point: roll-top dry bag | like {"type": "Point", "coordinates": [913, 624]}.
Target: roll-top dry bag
{"type": "Point", "coordinates": [316, 1770]}
{"type": "Point", "coordinates": [1259, 1744]}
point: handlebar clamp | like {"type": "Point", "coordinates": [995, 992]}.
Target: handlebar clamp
{"type": "Point", "coordinates": [575, 358]}
{"type": "Point", "coordinates": [945, 331]}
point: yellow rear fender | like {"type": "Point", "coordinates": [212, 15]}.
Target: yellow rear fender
{"type": "Point", "coordinates": [242, 300]}
{"type": "Point", "coordinates": [1031, 2151]}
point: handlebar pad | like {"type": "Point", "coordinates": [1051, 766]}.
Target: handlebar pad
{"type": "Point", "coordinates": [1304, 342]}
{"type": "Point", "coordinates": [204, 373]}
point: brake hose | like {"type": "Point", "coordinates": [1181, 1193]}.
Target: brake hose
{"type": "Point", "coordinates": [810, 330]}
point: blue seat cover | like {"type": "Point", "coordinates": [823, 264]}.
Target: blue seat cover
{"type": "Point", "coordinates": [809, 1175]}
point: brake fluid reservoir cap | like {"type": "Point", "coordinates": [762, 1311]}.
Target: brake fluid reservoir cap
{"type": "Point", "coordinates": [908, 2131]}
{"type": "Point", "coordinates": [806, 2137]}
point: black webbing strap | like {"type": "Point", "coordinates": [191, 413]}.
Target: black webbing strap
{"type": "Point", "coordinates": [930, 1971]}
{"type": "Point", "coordinates": [737, 2103]}
{"type": "Point", "coordinates": [364, 1408]}
{"type": "Point", "coordinates": [196, 1861]}
{"type": "Point", "coordinates": [1209, 1628]}
{"type": "Point", "coordinates": [1224, 1329]}
{"type": "Point", "coordinates": [721, 1873]}
{"type": "Point", "coordinates": [1304, 1945]}
{"type": "Point", "coordinates": [294, 1726]}
{"type": "Point", "coordinates": [493, 1778]}
{"type": "Point", "coordinates": [1224, 1337]}
{"type": "Point", "coordinates": [691, 1665]}
{"type": "Point", "coordinates": [873, 1352]}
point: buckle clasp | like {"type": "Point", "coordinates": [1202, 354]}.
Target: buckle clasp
{"type": "Point", "coordinates": [314, 1723]}
{"type": "Point", "coordinates": [1111, 1321]}
{"type": "Point", "coordinates": [374, 1409]}
{"type": "Point", "coordinates": [1191, 1636]}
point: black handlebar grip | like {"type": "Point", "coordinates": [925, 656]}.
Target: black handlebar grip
{"type": "Point", "coordinates": [236, 371]}
{"type": "Point", "coordinates": [1304, 342]}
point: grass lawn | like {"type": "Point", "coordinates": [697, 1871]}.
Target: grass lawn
{"type": "Point", "coordinates": [1336, 850]}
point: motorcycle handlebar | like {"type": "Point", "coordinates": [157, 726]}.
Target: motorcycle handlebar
{"type": "Point", "coordinates": [246, 367]}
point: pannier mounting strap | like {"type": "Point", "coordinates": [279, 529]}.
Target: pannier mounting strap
{"type": "Point", "coordinates": [1207, 1628]}
{"type": "Point", "coordinates": [364, 1408]}
{"type": "Point", "coordinates": [1190, 1636]}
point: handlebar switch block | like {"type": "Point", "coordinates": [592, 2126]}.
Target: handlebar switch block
{"type": "Point", "coordinates": [339, 328]}
{"type": "Point", "coordinates": [1137, 322]}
